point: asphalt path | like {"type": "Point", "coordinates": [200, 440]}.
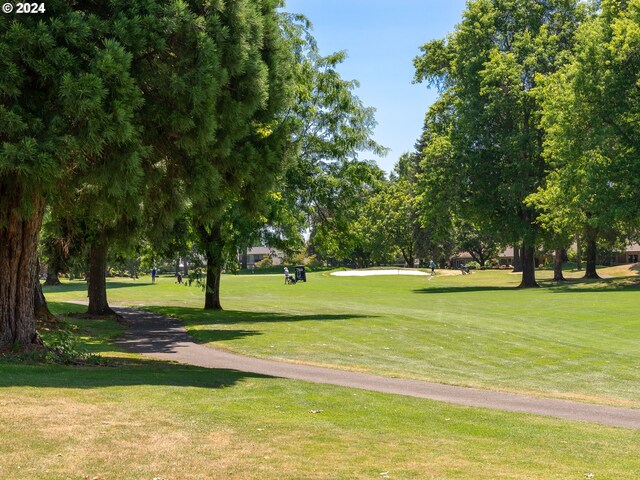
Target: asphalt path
{"type": "Point", "coordinates": [165, 338]}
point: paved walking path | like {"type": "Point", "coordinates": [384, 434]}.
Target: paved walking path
{"type": "Point", "coordinates": [165, 338]}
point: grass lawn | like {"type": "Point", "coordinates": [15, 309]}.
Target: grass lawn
{"type": "Point", "coordinates": [577, 341]}
{"type": "Point", "coordinates": [144, 419]}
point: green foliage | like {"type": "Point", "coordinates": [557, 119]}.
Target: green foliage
{"type": "Point", "coordinates": [338, 217]}
{"type": "Point", "coordinates": [389, 220]}
{"type": "Point", "coordinates": [489, 147]}
{"type": "Point", "coordinates": [266, 262]}
{"type": "Point", "coordinates": [61, 347]}
{"type": "Point", "coordinates": [590, 111]}
{"type": "Point", "coordinates": [325, 179]}
{"type": "Point", "coordinates": [67, 104]}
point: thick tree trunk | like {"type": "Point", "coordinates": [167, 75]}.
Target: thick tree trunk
{"type": "Point", "coordinates": [214, 269]}
{"type": "Point", "coordinates": [212, 294]}
{"type": "Point", "coordinates": [97, 282]}
{"type": "Point", "coordinates": [18, 247]}
{"type": "Point", "coordinates": [517, 258]}
{"type": "Point", "coordinates": [557, 265]}
{"type": "Point", "coordinates": [592, 254]}
{"type": "Point", "coordinates": [528, 266]}
{"type": "Point", "coordinates": [52, 277]}
{"type": "Point", "coordinates": [177, 266]}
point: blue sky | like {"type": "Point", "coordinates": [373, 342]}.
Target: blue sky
{"type": "Point", "coordinates": [381, 38]}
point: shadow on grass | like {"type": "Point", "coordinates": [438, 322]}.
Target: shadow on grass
{"type": "Point", "coordinates": [130, 373]}
{"type": "Point", "coordinates": [106, 335]}
{"type": "Point", "coordinates": [583, 285]}
{"type": "Point", "coordinates": [82, 286]}
{"type": "Point", "coordinates": [210, 336]}
{"type": "Point", "coordinates": [466, 288]}
{"type": "Point", "coordinates": [64, 308]}
{"type": "Point", "coordinates": [197, 316]}
{"type": "Point", "coordinates": [152, 333]}
{"type": "Point", "coordinates": [575, 285]}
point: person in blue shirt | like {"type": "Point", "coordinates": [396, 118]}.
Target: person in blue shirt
{"type": "Point", "coordinates": [432, 266]}
{"type": "Point", "coordinates": [153, 275]}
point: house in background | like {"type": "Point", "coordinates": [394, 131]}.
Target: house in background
{"type": "Point", "coordinates": [630, 255]}
{"type": "Point", "coordinates": [504, 258]}
{"type": "Point", "coordinates": [255, 254]}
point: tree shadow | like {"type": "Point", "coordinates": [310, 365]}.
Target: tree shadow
{"type": "Point", "coordinates": [585, 285]}
{"type": "Point", "coordinates": [82, 286]}
{"type": "Point", "coordinates": [160, 335]}
{"type": "Point", "coordinates": [578, 285]}
{"type": "Point", "coordinates": [466, 288]}
{"type": "Point", "coordinates": [196, 316]}
{"type": "Point", "coordinates": [129, 373]}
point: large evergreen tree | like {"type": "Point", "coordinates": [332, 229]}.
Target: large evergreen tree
{"type": "Point", "coordinates": [66, 98]}
{"type": "Point", "coordinates": [249, 149]}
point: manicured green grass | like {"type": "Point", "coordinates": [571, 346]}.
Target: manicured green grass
{"type": "Point", "coordinates": [576, 341]}
{"type": "Point", "coordinates": [145, 419]}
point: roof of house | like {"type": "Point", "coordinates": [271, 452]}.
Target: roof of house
{"type": "Point", "coordinates": [263, 251]}
{"type": "Point", "coordinates": [506, 253]}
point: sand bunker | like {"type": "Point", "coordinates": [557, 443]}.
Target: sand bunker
{"type": "Point", "coordinates": [367, 273]}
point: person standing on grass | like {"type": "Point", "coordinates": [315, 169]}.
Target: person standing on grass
{"type": "Point", "coordinates": [432, 266]}
{"type": "Point", "coordinates": [153, 274]}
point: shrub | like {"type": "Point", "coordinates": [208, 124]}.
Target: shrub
{"type": "Point", "coordinates": [60, 348]}
{"type": "Point", "coordinates": [266, 262]}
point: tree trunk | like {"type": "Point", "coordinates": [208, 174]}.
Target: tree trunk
{"type": "Point", "coordinates": [214, 269]}
{"type": "Point", "coordinates": [97, 282]}
{"type": "Point", "coordinates": [52, 276]}
{"type": "Point", "coordinates": [54, 266]}
{"type": "Point", "coordinates": [406, 256]}
{"type": "Point", "coordinates": [40, 308]}
{"type": "Point", "coordinates": [212, 294]}
{"type": "Point", "coordinates": [245, 258]}
{"type": "Point", "coordinates": [528, 266]}
{"type": "Point", "coordinates": [557, 265]}
{"type": "Point", "coordinates": [578, 253]}
{"type": "Point", "coordinates": [18, 250]}
{"type": "Point", "coordinates": [592, 254]}
{"type": "Point", "coordinates": [177, 266]}
{"type": "Point", "coordinates": [517, 258]}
